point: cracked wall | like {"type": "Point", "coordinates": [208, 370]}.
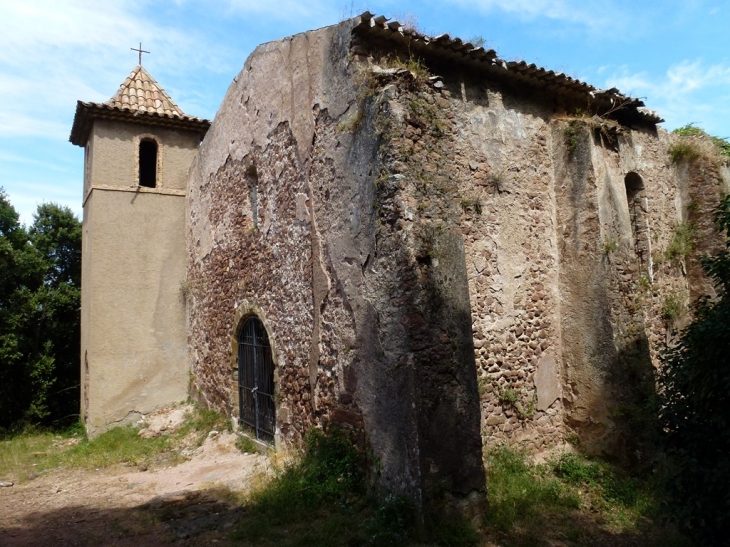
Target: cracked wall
{"type": "Point", "coordinates": [442, 262]}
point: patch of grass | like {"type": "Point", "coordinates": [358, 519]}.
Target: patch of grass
{"type": "Point", "coordinates": [427, 116]}
{"type": "Point", "coordinates": [21, 454]}
{"type": "Point", "coordinates": [515, 399]}
{"type": "Point", "coordinates": [202, 421]}
{"type": "Point", "coordinates": [624, 499]}
{"type": "Point", "coordinates": [456, 533]}
{"type": "Point", "coordinates": [324, 500]}
{"type": "Point", "coordinates": [520, 493]}
{"type": "Point", "coordinates": [644, 283]}
{"type": "Point", "coordinates": [478, 41]}
{"type": "Point", "coordinates": [351, 123]}
{"type": "Point", "coordinates": [29, 453]}
{"type": "Point", "coordinates": [610, 245]}
{"type": "Point", "coordinates": [246, 445]}
{"type": "Point", "coordinates": [473, 204]}
{"type": "Point", "coordinates": [118, 445]}
{"type": "Point", "coordinates": [583, 501]}
{"type": "Point", "coordinates": [507, 395]}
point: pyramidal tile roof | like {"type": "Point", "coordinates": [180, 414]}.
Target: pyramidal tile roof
{"type": "Point", "coordinates": [140, 99]}
{"type": "Point", "coordinates": [141, 92]}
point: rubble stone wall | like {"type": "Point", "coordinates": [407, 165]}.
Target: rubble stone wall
{"type": "Point", "coordinates": [442, 262]}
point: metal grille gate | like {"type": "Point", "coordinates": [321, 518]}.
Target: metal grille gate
{"type": "Point", "coordinates": [256, 380]}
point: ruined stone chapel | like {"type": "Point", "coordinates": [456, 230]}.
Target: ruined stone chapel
{"type": "Point", "coordinates": [400, 234]}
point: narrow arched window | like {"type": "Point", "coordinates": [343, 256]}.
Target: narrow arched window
{"type": "Point", "coordinates": [148, 163]}
{"type": "Point", "coordinates": [256, 380]}
{"type": "Point", "coordinates": [252, 179]}
{"type": "Point", "coordinates": [637, 214]}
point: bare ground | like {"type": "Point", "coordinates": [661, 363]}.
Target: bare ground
{"type": "Point", "coordinates": [193, 503]}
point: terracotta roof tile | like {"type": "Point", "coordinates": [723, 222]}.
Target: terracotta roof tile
{"type": "Point", "coordinates": [141, 92]}
{"type": "Point", "coordinates": [449, 49]}
{"type": "Point", "coordinates": [140, 99]}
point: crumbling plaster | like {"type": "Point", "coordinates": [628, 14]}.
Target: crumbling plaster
{"type": "Point", "coordinates": [447, 257]}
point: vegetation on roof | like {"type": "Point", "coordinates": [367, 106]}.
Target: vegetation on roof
{"type": "Point", "coordinates": [695, 143]}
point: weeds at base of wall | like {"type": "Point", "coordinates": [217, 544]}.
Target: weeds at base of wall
{"type": "Point", "coordinates": [325, 498]}
{"type": "Point", "coordinates": [246, 445]}
{"type": "Point", "coordinates": [30, 453]}
{"type": "Point", "coordinates": [573, 498]}
{"type": "Point", "coordinates": [318, 500]}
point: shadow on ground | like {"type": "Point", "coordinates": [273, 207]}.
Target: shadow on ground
{"type": "Point", "coordinates": [203, 517]}
{"type": "Point", "coordinates": [576, 529]}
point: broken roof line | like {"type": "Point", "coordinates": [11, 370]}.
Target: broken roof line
{"type": "Point", "coordinates": [455, 49]}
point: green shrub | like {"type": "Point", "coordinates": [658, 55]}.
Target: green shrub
{"type": "Point", "coordinates": [684, 151]}
{"type": "Point", "coordinates": [673, 307]}
{"type": "Point", "coordinates": [695, 392]}
{"type": "Point", "coordinates": [571, 135]}
{"type": "Point", "coordinates": [324, 499]}
{"type": "Point", "coordinates": [682, 243]}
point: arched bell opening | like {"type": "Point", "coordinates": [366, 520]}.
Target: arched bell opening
{"type": "Point", "coordinates": [148, 163]}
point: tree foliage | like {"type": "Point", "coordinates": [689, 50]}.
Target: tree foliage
{"type": "Point", "coordinates": [695, 388]}
{"type": "Point", "coordinates": [40, 274]}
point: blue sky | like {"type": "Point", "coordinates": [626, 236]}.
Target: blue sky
{"type": "Point", "coordinates": [672, 53]}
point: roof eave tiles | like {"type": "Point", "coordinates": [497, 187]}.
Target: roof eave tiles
{"type": "Point", "coordinates": [457, 50]}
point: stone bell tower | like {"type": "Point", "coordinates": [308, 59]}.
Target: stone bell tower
{"type": "Point", "coordinates": [138, 148]}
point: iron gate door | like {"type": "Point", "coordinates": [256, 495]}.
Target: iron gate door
{"type": "Point", "coordinates": [256, 380]}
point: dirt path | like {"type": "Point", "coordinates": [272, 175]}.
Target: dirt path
{"type": "Point", "coordinates": [189, 504]}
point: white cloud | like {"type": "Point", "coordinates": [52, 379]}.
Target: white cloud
{"type": "Point", "coordinates": [591, 14]}
{"type": "Point", "coordinates": [321, 12]}
{"type": "Point", "coordinates": [9, 157]}
{"type": "Point", "coordinates": [687, 92]}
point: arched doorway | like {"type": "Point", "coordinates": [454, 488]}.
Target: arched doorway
{"type": "Point", "coordinates": [256, 380]}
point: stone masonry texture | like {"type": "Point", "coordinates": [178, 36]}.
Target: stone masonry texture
{"type": "Point", "coordinates": [443, 260]}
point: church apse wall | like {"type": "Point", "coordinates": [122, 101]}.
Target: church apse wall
{"type": "Point", "coordinates": [446, 254]}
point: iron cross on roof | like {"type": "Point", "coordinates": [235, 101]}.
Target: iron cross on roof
{"type": "Point", "coordinates": [140, 51]}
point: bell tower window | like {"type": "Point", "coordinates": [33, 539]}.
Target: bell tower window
{"type": "Point", "coordinates": [148, 163]}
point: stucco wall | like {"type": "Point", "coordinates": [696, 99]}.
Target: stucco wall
{"type": "Point", "coordinates": [133, 313]}
{"type": "Point", "coordinates": [133, 338]}
{"type": "Point", "coordinates": [114, 150]}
